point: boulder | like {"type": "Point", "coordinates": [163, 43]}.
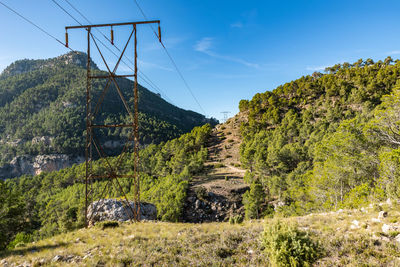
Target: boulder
{"type": "Point", "coordinates": [386, 228]}
{"type": "Point", "coordinates": [118, 210]}
{"type": "Point", "coordinates": [382, 214]}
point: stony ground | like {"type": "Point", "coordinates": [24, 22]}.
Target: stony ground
{"type": "Point", "coordinates": [216, 195]}
{"type": "Point", "coordinates": [364, 237]}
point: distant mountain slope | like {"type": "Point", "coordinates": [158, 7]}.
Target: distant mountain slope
{"type": "Point", "coordinates": [42, 111]}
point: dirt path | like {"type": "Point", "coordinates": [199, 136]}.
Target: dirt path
{"type": "Point", "coordinates": [216, 194]}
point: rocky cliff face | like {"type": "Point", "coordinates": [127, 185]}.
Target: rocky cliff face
{"type": "Point", "coordinates": [34, 165]}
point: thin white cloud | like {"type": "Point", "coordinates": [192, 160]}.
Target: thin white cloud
{"type": "Point", "coordinates": [317, 68]}
{"type": "Point", "coordinates": [150, 65]}
{"type": "Point", "coordinates": [237, 25]}
{"type": "Point", "coordinates": [206, 43]}
{"type": "Point", "coordinates": [395, 52]}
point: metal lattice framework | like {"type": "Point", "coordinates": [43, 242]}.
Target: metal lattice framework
{"type": "Point", "coordinates": [93, 148]}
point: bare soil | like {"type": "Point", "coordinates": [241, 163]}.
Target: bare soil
{"type": "Point", "coordinates": [216, 194]}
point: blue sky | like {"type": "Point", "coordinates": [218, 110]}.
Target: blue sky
{"type": "Point", "coordinates": [226, 50]}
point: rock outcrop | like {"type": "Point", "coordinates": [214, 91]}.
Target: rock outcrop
{"type": "Point", "coordinates": [213, 205]}
{"type": "Point", "coordinates": [117, 210]}
{"type": "Point", "coordinates": [27, 65]}
{"type": "Point", "coordinates": [34, 165]}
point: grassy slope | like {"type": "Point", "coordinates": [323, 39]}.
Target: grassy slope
{"type": "Point", "coordinates": [217, 244]}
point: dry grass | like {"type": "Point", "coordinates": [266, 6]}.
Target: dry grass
{"type": "Point", "coordinates": [150, 244]}
{"type": "Point", "coordinates": [215, 244]}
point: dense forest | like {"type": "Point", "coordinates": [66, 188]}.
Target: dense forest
{"type": "Point", "coordinates": [34, 207]}
{"type": "Point", "coordinates": [324, 141]}
{"type": "Point", "coordinates": [42, 109]}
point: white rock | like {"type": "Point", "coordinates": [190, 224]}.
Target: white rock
{"type": "Point", "coordinates": [386, 228]}
{"type": "Point", "coordinates": [250, 251]}
{"type": "Point", "coordinates": [339, 211]}
{"type": "Point", "coordinates": [397, 238]}
{"type": "Point", "coordinates": [57, 258]}
{"type": "Point", "coordinates": [382, 214]}
{"type": "Point", "coordinates": [355, 224]}
{"type": "Point", "coordinates": [389, 201]}
{"type": "Point", "coordinates": [375, 220]}
{"type": "Point", "coordinates": [116, 210]}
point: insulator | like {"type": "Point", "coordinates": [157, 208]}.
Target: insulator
{"type": "Point", "coordinates": [112, 36]}
{"type": "Point", "coordinates": [159, 33]}
{"type": "Point", "coordinates": [66, 39]}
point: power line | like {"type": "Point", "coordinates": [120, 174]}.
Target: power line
{"type": "Point", "coordinates": [144, 78]}
{"type": "Point", "coordinates": [171, 59]}
{"type": "Point", "coordinates": [34, 24]}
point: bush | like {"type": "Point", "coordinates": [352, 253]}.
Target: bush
{"type": "Point", "coordinates": [357, 197]}
{"type": "Point", "coordinates": [286, 245]}
{"type": "Point", "coordinates": [253, 201]}
{"type": "Point", "coordinates": [219, 165]}
{"type": "Point", "coordinates": [19, 240]}
{"type": "Point", "coordinates": [107, 224]}
{"type": "Point", "coordinates": [237, 219]}
{"type": "Point", "coordinates": [200, 192]}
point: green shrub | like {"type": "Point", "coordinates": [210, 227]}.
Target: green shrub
{"type": "Point", "coordinates": [107, 224]}
{"type": "Point", "coordinates": [286, 245]}
{"type": "Point", "coordinates": [357, 197]}
{"type": "Point", "coordinates": [200, 192]}
{"type": "Point", "coordinates": [253, 201]}
{"type": "Point", "coordinates": [223, 128]}
{"type": "Point", "coordinates": [377, 208]}
{"type": "Point", "coordinates": [231, 141]}
{"type": "Point", "coordinates": [20, 240]}
{"type": "Point", "coordinates": [237, 219]}
{"type": "Point", "coordinates": [219, 165]}
{"type": "Point", "coordinates": [224, 252]}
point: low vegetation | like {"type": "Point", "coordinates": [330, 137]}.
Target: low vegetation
{"type": "Point", "coordinates": [326, 239]}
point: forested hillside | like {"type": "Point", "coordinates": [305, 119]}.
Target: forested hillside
{"type": "Point", "coordinates": [51, 203]}
{"type": "Point", "coordinates": [325, 141]}
{"type": "Point", "coordinates": [42, 109]}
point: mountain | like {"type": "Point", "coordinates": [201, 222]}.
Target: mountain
{"type": "Point", "coordinates": [42, 114]}
{"type": "Point", "coordinates": [325, 141]}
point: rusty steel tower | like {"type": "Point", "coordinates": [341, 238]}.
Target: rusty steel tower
{"type": "Point", "coordinates": [113, 171]}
